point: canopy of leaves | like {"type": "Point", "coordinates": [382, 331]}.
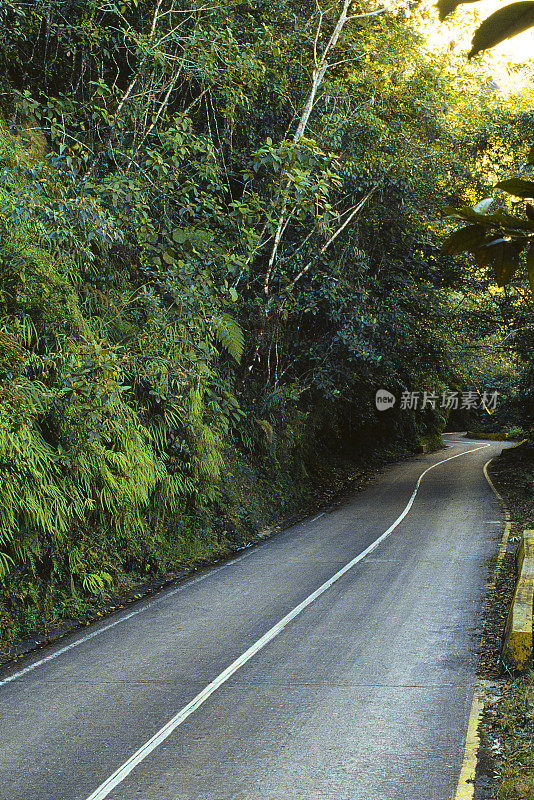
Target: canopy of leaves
{"type": "Point", "coordinates": [209, 243]}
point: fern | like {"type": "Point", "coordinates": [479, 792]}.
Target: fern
{"type": "Point", "coordinates": [230, 335]}
{"type": "Point", "coordinates": [5, 564]}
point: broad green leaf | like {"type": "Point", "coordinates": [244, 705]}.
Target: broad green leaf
{"type": "Point", "coordinates": [505, 265]}
{"type": "Point", "coordinates": [464, 239]}
{"type": "Point", "coordinates": [503, 24]}
{"type": "Point", "coordinates": [484, 205]}
{"type": "Point", "coordinates": [530, 267]}
{"type": "Point", "coordinates": [530, 157]}
{"type": "Point", "coordinates": [517, 187]}
{"type": "Point", "coordinates": [169, 255]}
{"type": "Point", "coordinates": [446, 7]}
{"type": "Point", "coordinates": [499, 219]}
{"type": "Point", "coordinates": [466, 212]}
{"type": "Point", "coordinates": [504, 255]}
{"type": "Point", "coordinates": [512, 222]}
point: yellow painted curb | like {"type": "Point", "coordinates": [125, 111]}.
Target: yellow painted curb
{"type": "Point", "coordinates": [524, 550]}
{"type": "Point", "coordinates": [518, 444]}
{"type": "Point", "coordinates": [466, 782]}
{"type": "Point", "coordinates": [517, 647]}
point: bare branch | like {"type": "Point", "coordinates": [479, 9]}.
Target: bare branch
{"type": "Point", "coordinates": [332, 239]}
{"type": "Point", "coordinates": [127, 94]}
{"type": "Point", "coordinates": [155, 19]}
{"type": "Point", "coordinates": [318, 74]}
{"type": "Point", "coordinates": [367, 14]}
{"type": "Point", "coordinates": [162, 107]}
{"type": "Point", "coordinates": [317, 34]}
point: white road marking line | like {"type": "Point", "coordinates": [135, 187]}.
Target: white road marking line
{"type": "Point", "coordinates": [124, 770]}
{"type": "Point", "coordinates": [182, 587]}
{"type": "Point", "coordinates": [146, 606]}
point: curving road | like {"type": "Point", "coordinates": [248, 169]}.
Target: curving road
{"type": "Point", "coordinates": [263, 678]}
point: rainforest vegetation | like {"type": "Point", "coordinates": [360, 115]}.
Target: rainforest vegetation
{"type": "Point", "coordinates": [221, 231]}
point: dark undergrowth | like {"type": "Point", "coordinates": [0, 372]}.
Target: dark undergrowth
{"type": "Point", "coordinates": [257, 497]}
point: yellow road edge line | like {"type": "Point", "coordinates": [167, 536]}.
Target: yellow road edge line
{"type": "Point", "coordinates": [507, 526]}
{"type": "Point", "coordinates": [466, 782]}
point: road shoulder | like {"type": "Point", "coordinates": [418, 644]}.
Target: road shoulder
{"type": "Point", "coordinates": [505, 762]}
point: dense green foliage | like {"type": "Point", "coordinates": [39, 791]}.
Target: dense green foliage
{"type": "Point", "coordinates": [205, 276]}
{"type": "Point", "coordinates": [499, 235]}
{"type": "Point", "coordinates": [505, 23]}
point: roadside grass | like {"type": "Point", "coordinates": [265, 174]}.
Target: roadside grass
{"type": "Point", "coordinates": [507, 726]}
{"type": "Point", "coordinates": [502, 435]}
{"type": "Point", "coordinates": [513, 474]}
{"type": "Point", "coordinates": [509, 732]}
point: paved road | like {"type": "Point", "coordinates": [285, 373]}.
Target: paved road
{"type": "Point", "coordinates": [363, 695]}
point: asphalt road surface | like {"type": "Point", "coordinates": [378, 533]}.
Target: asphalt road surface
{"type": "Point", "coordinates": [261, 679]}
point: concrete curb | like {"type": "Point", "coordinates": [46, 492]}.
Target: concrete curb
{"type": "Point", "coordinates": [517, 646]}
